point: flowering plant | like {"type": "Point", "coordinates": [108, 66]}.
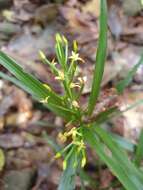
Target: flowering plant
{"type": "Point", "coordinates": [82, 125]}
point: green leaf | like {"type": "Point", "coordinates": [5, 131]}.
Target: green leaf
{"type": "Point", "coordinates": [139, 151]}
{"type": "Point", "coordinates": [125, 82]}
{"type": "Point", "coordinates": [117, 112]}
{"type": "Point", "coordinates": [61, 49]}
{"type": "Point", "coordinates": [51, 142]}
{"type": "Point", "coordinates": [90, 181]}
{"type": "Point", "coordinates": [137, 103]}
{"type": "Point", "coordinates": [67, 181]}
{"type": "Point", "coordinates": [34, 87]}
{"type": "Point", "coordinates": [100, 58]}
{"type": "Point", "coordinates": [66, 113]}
{"type": "Point", "coordinates": [120, 155]}
{"type": "Point", "coordinates": [2, 160]}
{"type": "Point", "coordinates": [105, 115]}
{"type": "Point", "coordinates": [59, 110]}
{"type": "Point", "coordinates": [46, 61]}
{"type": "Point", "coordinates": [123, 143]}
{"type": "Point", "coordinates": [13, 80]}
{"type": "Point", "coordinates": [116, 159]}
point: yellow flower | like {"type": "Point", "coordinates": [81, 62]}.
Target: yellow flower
{"type": "Point", "coordinates": [62, 137]}
{"type": "Point", "coordinates": [75, 57]}
{"type": "Point", "coordinates": [73, 85]}
{"type": "Point", "coordinates": [46, 86]}
{"type": "Point", "coordinates": [74, 133]}
{"type": "Point", "coordinates": [65, 40]}
{"type": "Point", "coordinates": [44, 101]}
{"type": "Point", "coordinates": [58, 38]}
{"type": "Point", "coordinates": [58, 155]}
{"type": "Point", "coordinates": [64, 165]}
{"type": "Point", "coordinates": [53, 62]}
{"type": "Point", "coordinates": [80, 145]}
{"type": "Point", "coordinates": [82, 80]}
{"type": "Point", "coordinates": [75, 46]}
{"type": "Point", "coordinates": [83, 162]}
{"type": "Point", "coordinates": [75, 104]}
{"type": "Point", "coordinates": [42, 55]}
{"type": "Point", "coordinates": [61, 76]}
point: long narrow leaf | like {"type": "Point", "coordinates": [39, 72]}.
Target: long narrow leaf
{"type": "Point", "coordinates": [59, 110]}
{"type": "Point", "coordinates": [123, 143]}
{"type": "Point", "coordinates": [62, 111]}
{"type": "Point", "coordinates": [117, 112]}
{"type": "Point", "coordinates": [129, 180]}
{"type": "Point", "coordinates": [100, 58]}
{"type": "Point", "coordinates": [125, 82]}
{"type": "Point", "coordinates": [51, 142]}
{"type": "Point", "coordinates": [139, 150]}
{"type": "Point", "coordinates": [120, 155]}
{"type": "Point", "coordinates": [105, 115]}
{"type": "Point", "coordinates": [34, 86]}
{"type": "Point", "coordinates": [67, 181]}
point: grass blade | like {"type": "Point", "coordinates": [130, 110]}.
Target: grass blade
{"type": "Point", "coordinates": [34, 87]}
{"type": "Point", "coordinates": [139, 151]}
{"type": "Point", "coordinates": [105, 115]}
{"type": "Point", "coordinates": [13, 80]}
{"type": "Point", "coordinates": [66, 113]}
{"type": "Point", "coordinates": [125, 82]}
{"type": "Point", "coordinates": [67, 181]}
{"type": "Point", "coordinates": [51, 142]}
{"type": "Point", "coordinates": [124, 173]}
{"type": "Point", "coordinates": [100, 58]}
{"type": "Point", "coordinates": [59, 110]}
{"type": "Point", "coordinates": [120, 155]}
{"type": "Point", "coordinates": [123, 143]}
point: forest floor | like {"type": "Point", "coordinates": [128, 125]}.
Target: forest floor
{"type": "Point", "coordinates": [27, 26]}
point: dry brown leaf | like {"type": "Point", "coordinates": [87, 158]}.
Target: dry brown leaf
{"type": "Point", "coordinates": [92, 7]}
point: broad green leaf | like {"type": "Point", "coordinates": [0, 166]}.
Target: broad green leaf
{"type": "Point", "coordinates": [125, 82]}
{"type": "Point", "coordinates": [67, 181]}
{"type": "Point", "coordinates": [2, 160]}
{"type": "Point", "coordinates": [123, 170]}
{"type": "Point", "coordinates": [100, 57]}
{"type": "Point", "coordinates": [139, 151]}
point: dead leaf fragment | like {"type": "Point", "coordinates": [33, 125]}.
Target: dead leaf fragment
{"type": "Point", "coordinates": [92, 7]}
{"type": "Point", "coordinates": [11, 141]}
{"type": "Point", "coordinates": [46, 13]}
